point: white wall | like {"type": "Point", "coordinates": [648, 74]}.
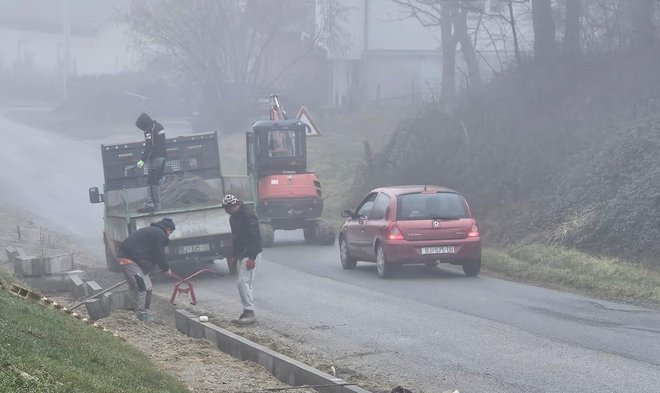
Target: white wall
{"type": "Point", "coordinates": [390, 29]}
{"type": "Point", "coordinates": [106, 52]}
{"type": "Point", "coordinates": [396, 56]}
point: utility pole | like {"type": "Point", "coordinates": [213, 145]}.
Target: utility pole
{"type": "Point", "coordinates": [66, 33]}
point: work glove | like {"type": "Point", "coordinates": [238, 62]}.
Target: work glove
{"type": "Point", "coordinates": [250, 263]}
{"type": "Point", "coordinates": [140, 164]}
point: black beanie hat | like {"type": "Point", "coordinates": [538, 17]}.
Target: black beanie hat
{"type": "Point", "coordinates": [144, 121]}
{"type": "Point", "coordinates": [166, 223]}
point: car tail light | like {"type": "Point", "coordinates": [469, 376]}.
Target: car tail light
{"type": "Point", "coordinates": [394, 233]}
{"type": "Point", "coordinates": [474, 232]}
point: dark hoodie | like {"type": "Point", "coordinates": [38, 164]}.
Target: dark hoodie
{"type": "Point", "coordinates": [154, 137]}
{"type": "Point", "coordinates": [146, 247]}
{"type": "Point", "coordinates": [245, 233]}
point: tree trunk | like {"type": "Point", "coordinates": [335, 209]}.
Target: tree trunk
{"type": "Point", "coordinates": [448, 90]}
{"type": "Point", "coordinates": [643, 24]}
{"type": "Point", "coordinates": [572, 46]}
{"type": "Point", "coordinates": [514, 32]}
{"type": "Point", "coordinates": [467, 48]}
{"type": "Point", "coordinates": [545, 49]}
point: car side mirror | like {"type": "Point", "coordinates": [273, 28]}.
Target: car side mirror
{"type": "Point", "coordinates": [94, 196]}
{"type": "Point", "coordinates": [347, 213]}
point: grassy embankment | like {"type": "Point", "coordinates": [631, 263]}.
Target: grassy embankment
{"type": "Point", "coordinates": [42, 350]}
{"type": "Point", "coordinates": [575, 271]}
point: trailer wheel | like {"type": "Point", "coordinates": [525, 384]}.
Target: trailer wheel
{"type": "Point", "coordinates": [110, 260]}
{"type": "Point", "coordinates": [326, 233]}
{"type": "Point", "coordinates": [232, 264]}
{"type": "Point", "coordinates": [267, 235]}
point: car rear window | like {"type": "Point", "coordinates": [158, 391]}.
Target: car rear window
{"type": "Point", "coordinates": [424, 206]}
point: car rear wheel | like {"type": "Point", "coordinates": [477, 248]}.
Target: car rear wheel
{"type": "Point", "coordinates": [347, 262]}
{"type": "Point", "coordinates": [384, 270]}
{"type": "Point", "coordinates": [472, 268]}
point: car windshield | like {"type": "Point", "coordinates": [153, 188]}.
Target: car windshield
{"type": "Point", "coordinates": [425, 206]}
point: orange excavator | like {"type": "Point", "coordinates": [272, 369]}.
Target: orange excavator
{"type": "Point", "coordinates": [288, 196]}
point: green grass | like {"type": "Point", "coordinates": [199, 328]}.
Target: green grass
{"type": "Point", "coordinates": [42, 350]}
{"type": "Point", "coordinates": [568, 269]}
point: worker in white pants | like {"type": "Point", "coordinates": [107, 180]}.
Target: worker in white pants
{"type": "Point", "coordinates": [246, 247]}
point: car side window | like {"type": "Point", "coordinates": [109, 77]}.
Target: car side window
{"type": "Point", "coordinates": [364, 209]}
{"type": "Point", "coordinates": [380, 207]}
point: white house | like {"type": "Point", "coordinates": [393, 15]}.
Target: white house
{"type": "Point", "coordinates": [37, 37]}
{"type": "Point", "coordinates": [387, 57]}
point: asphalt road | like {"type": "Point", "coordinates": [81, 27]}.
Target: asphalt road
{"type": "Point", "coordinates": [50, 175]}
{"type": "Point", "coordinates": [438, 329]}
{"type": "Point", "coordinates": [433, 329]}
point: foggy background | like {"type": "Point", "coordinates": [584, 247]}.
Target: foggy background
{"type": "Point", "coordinates": [542, 112]}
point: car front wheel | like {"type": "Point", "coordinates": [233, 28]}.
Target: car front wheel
{"type": "Point", "coordinates": [384, 270]}
{"type": "Point", "coordinates": [347, 262]}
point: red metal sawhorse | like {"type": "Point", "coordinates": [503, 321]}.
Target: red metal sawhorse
{"type": "Point", "coordinates": [185, 286]}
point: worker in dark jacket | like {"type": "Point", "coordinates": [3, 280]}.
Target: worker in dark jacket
{"type": "Point", "coordinates": [154, 153]}
{"type": "Point", "coordinates": [247, 252]}
{"type": "Point", "coordinates": [138, 255]}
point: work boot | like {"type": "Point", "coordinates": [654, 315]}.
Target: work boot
{"type": "Point", "coordinates": [247, 318]}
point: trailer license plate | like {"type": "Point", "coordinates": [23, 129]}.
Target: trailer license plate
{"type": "Point", "coordinates": [193, 248]}
{"type": "Point", "coordinates": [438, 250]}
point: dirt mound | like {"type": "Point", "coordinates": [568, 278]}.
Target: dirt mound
{"type": "Point", "coordinates": [184, 190]}
{"type": "Point", "coordinates": [179, 192]}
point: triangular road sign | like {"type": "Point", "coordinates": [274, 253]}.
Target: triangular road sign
{"type": "Point", "coordinates": [312, 128]}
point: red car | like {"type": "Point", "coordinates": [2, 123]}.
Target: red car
{"type": "Point", "coordinates": [411, 224]}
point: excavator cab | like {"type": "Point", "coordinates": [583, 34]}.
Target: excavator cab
{"type": "Point", "coordinates": [277, 147]}
{"type": "Point", "coordinates": [288, 196]}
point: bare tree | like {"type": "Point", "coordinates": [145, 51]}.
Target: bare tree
{"type": "Point", "coordinates": [572, 45]}
{"type": "Point", "coordinates": [233, 50]}
{"type": "Point", "coordinates": [451, 17]}
{"type": "Point", "coordinates": [642, 21]}
{"type": "Point", "coordinates": [545, 49]}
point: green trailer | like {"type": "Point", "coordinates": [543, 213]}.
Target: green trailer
{"type": "Point", "coordinates": [192, 196]}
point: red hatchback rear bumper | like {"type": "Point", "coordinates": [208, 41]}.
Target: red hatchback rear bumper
{"type": "Point", "coordinates": [407, 252]}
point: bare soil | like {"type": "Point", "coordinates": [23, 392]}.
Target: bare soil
{"type": "Point", "coordinates": [197, 363]}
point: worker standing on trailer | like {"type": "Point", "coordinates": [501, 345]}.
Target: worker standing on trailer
{"type": "Point", "coordinates": [247, 252]}
{"type": "Point", "coordinates": [138, 255]}
{"type": "Point", "coordinates": [154, 152]}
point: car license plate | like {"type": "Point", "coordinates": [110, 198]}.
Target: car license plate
{"type": "Point", "coordinates": [192, 248]}
{"type": "Point", "coordinates": [438, 250]}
